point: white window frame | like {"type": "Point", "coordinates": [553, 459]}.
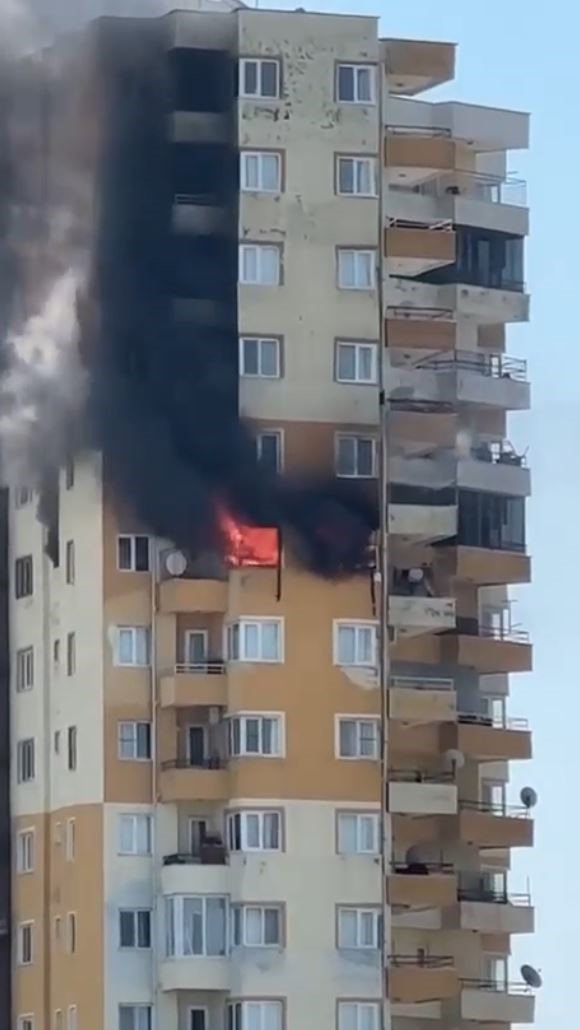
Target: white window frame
{"type": "Point", "coordinates": [135, 817]}
{"type": "Point", "coordinates": [132, 726]}
{"type": "Point", "coordinates": [240, 1018]}
{"type": "Point", "coordinates": [26, 925]}
{"type": "Point", "coordinates": [360, 818]}
{"type": "Point", "coordinates": [177, 901]}
{"type": "Point", "coordinates": [134, 631]}
{"type": "Point", "coordinates": [24, 669]}
{"type": "Point", "coordinates": [361, 912]}
{"type": "Point", "coordinates": [259, 61]}
{"type": "Point", "coordinates": [359, 1008]}
{"type": "Point", "coordinates": [135, 913]}
{"type": "Point", "coordinates": [359, 721]}
{"type": "Point", "coordinates": [58, 1019]}
{"type": "Point", "coordinates": [260, 250]}
{"type": "Point", "coordinates": [239, 914]}
{"type": "Point", "coordinates": [137, 1008]}
{"type": "Point", "coordinates": [71, 1018]}
{"type": "Point", "coordinates": [23, 577]}
{"type": "Point", "coordinates": [243, 718]}
{"type": "Point", "coordinates": [26, 1021]}
{"type": "Point", "coordinates": [258, 621]}
{"type": "Point", "coordinates": [359, 346]}
{"type": "Point", "coordinates": [259, 340]}
{"type": "Point", "coordinates": [71, 933]}
{"type": "Point", "coordinates": [72, 748]}
{"type": "Point", "coordinates": [198, 1008]}
{"type": "Point", "coordinates": [23, 749]}
{"type": "Point", "coordinates": [25, 850]}
{"type": "Point", "coordinates": [357, 437]}
{"type": "Point", "coordinates": [258, 156]}
{"type": "Point", "coordinates": [366, 160]}
{"type": "Point", "coordinates": [132, 538]}
{"type": "Point", "coordinates": [70, 840]}
{"type": "Point", "coordinates": [357, 100]}
{"type": "Point", "coordinates": [359, 626]}
{"type": "Point", "coordinates": [357, 284]}
{"type": "Point", "coordinates": [71, 654]}
{"type": "Point", "coordinates": [279, 435]}
{"type": "Point", "coordinates": [244, 815]}
{"type": "Point", "coordinates": [70, 562]}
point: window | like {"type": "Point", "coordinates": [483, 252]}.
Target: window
{"type": "Point", "coordinates": [256, 735]}
{"type": "Point", "coordinates": [135, 928]}
{"type": "Point", "coordinates": [255, 831]}
{"type": "Point", "coordinates": [358, 927]}
{"type": "Point", "coordinates": [58, 1023]}
{"type": "Point", "coordinates": [358, 738]}
{"type": "Point", "coordinates": [22, 496]}
{"type": "Point", "coordinates": [356, 176]}
{"type": "Point", "coordinates": [133, 553]}
{"type": "Point", "coordinates": [57, 928]}
{"type": "Point", "coordinates": [134, 741]}
{"type": "Point", "coordinates": [70, 561]}
{"type": "Point", "coordinates": [25, 944]}
{"type": "Point", "coordinates": [260, 77]}
{"type": "Point", "coordinates": [261, 171]}
{"type": "Point", "coordinates": [26, 1022]}
{"type": "Point", "coordinates": [355, 83]}
{"type": "Point", "coordinates": [57, 742]}
{"type": "Point", "coordinates": [23, 578]}
{"type": "Point", "coordinates": [56, 652]}
{"type": "Point", "coordinates": [255, 640]}
{"type": "Point", "coordinates": [135, 834]}
{"type": "Point", "coordinates": [72, 748]}
{"type": "Point", "coordinates": [356, 269]}
{"type": "Point", "coordinates": [356, 362]}
{"type": "Point", "coordinates": [57, 834]}
{"type": "Point", "coordinates": [198, 1019]}
{"type": "Point", "coordinates": [256, 926]}
{"type": "Point", "coordinates": [135, 1017]}
{"type": "Point", "coordinates": [71, 932]}
{"type": "Point", "coordinates": [196, 925]}
{"type": "Point", "coordinates": [71, 840]}
{"type": "Point", "coordinates": [269, 449]}
{"type": "Point", "coordinates": [24, 669]}
{"type": "Point", "coordinates": [71, 654]}
{"type": "Point", "coordinates": [25, 760]}
{"type": "Point", "coordinates": [260, 357]}
{"type": "Point", "coordinates": [355, 643]}
{"type": "Point", "coordinates": [133, 646]}
{"type": "Point", "coordinates": [25, 851]}
{"type": "Point", "coordinates": [358, 833]}
{"type": "Point", "coordinates": [260, 264]}
{"type": "Point", "coordinates": [71, 1018]}
{"type": "Point", "coordinates": [356, 457]}
{"type": "Point", "coordinates": [69, 474]}
{"type": "Point", "coordinates": [195, 647]}
{"type": "Point", "coordinates": [359, 1015]}
{"type": "Point", "coordinates": [255, 1015]}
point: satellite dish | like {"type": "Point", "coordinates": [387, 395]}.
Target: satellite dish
{"type": "Point", "coordinates": [176, 563]}
{"type": "Point", "coordinates": [455, 758]}
{"type": "Point", "coordinates": [531, 976]}
{"type": "Point", "coordinates": [528, 797]}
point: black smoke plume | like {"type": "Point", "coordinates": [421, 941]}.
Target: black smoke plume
{"type": "Point", "coordinates": [157, 308]}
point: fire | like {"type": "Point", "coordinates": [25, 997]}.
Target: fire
{"type": "Point", "coordinates": [249, 545]}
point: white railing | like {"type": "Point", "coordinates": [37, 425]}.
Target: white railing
{"type": "Point", "coordinates": [421, 683]}
{"type": "Point", "coordinates": [215, 668]}
{"type": "Point", "coordinates": [490, 189]}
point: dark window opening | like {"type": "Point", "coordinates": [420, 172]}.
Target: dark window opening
{"type": "Point", "coordinates": [493, 260]}
{"type": "Point", "coordinates": [491, 520]}
{"type": "Point", "coordinates": [204, 172]}
{"type": "Point", "coordinates": [201, 80]}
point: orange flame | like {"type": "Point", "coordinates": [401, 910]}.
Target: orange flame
{"type": "Point", "coordinates": [249, 545]}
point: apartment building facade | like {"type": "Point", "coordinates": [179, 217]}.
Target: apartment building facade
{"type": "Point", "coordinates": [239, 802]}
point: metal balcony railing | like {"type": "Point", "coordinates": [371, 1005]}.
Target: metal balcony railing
{"type": "Point", "coordinates": [213, 762]}
{"type": "Point", "coordinates": [494, 985]}
{"type": "Point", "coordinates": [496, 808]}
{"type": "Point", "coordinates": [428, 131]}
{"type": "Point", "coordinates": [210, 852]}
{"type": "Point", "coordinates": [493, 897]}
{"type": "Point", "coordinates": [412, 683]}
{"type": "Point", "coordinates": [495, 366]}
{"type": "Point", "coordinates": [422, 961]}
{"type": "Point", "coordinates": [214, 667]}
{"type": "Point", "coordinates": [423, 868]}
{"type": "Point", "coordinates": [418, 776]}
{"type": "Point", "coordinates": [496, 721]}
{"type": "Point", "coordinates": [471, 627]}
{"type": "Point", "coordinates": [490, 189]}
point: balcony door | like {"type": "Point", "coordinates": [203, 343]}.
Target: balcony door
{"type": "Point", "coordinates": [195, 647]}
{"type": "Point", "coordinates": [197, 1019]}
{"type": "Point", "coordinates": [196, 745]}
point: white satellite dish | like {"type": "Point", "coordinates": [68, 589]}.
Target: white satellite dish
{"type": "Point", "coordinates": [176, 563]}
{"type": "Point", "coordinates": [454, 758]}
{"type": "Point", "coordinates": [528, 797]}
{"type": "Point", "coordinates": [531, 976]}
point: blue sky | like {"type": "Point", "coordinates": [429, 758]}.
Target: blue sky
{"type": "Point", "coordinates": [510, 55]}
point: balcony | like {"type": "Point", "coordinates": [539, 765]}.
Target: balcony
{"type": "Point", "coordinates": [421, 886]}
{"type": "Point", "coordinates": [492, 912]}
{"type": "Point", "coordinates": [413, 979]}
{"type": "Point", "coordinates": [485, 1001]}
{"type": "Point", "coordinates": [498, 472]}
{"type": "Point", "coordinates": [481, 737]}
{"type": "Point", "coordinates": [487, 649]}
{"type": "Point", "coordinates": [487, 305]}
{"type": "Point", "coordinates": [181, 595]}
{"type": "Point", "coordinates": [422, 701]}
{"type": "Point", "coordinates": [418, 431]}
{"type": "Point", "coordinates": [412, 157]}
{"type": "Point", "coordinates": [197, 973]}
{"type": "Point", "coordinates": [422, 523]}
{"type": "Point", "coordinates": [180, 780]}
{"type": "Point", "coordinates": [463, 377]}
{"type": "Point", "coordinates": [423, 330]}
{"type": "Point", "coordinates": [413, 65]}
{"type": "Point", "coordinates": [488, 566]}
{"type": "Point", "coordinates": [490, 825]}
{"type": "Point", "coordinates": [411, 792]}
{"type": "Point", "coordinates": [415, 249]}
{"type": "Point", "coordinates": [413, 607]}
{"type": "Point", "coordinates": [201, 683]}
{"type": "Point", "coordinates": [468, 198]}
{"type": "Point", "coordinates": [184, 874]}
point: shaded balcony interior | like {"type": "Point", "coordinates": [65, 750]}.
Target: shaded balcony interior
{"type": "Point", "coordinates": [492, 260]}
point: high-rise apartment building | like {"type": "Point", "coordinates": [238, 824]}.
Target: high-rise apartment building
{"type": "Point", "coordinates": [245, 795]}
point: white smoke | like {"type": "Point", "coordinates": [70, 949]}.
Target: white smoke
{"type": "Point", "coordinates": [43, 388]}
